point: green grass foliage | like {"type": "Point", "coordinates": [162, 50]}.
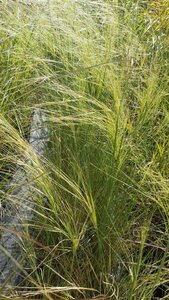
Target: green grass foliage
{"type": "Point", "coordinates": [99, 69]}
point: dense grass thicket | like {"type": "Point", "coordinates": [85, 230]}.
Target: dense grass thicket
{"type": "Point", "coordinates": [100, 71]}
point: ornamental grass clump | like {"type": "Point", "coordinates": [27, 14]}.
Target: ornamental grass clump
{"type": "Point", "coordinates": [99, 71]}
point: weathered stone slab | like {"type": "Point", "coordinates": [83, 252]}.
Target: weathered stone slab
{"type": "Point", "coordinates": [20, 200]}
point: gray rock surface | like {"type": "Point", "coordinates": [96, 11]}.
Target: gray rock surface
{"type": "Point", "coordinates": [21, 202]}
